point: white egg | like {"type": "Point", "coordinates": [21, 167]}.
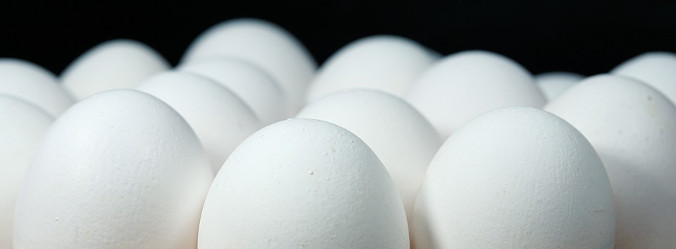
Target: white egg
{"type": "Point", "coordinates": [399, 135]}
{"type": "Point", "coordinates": [120, 169]}
{"type": "Point", "coordinates": [265, 97]}
{"type": "Point", "coordinates": [386, 63]}
{"type": "Point", "coordinates": [116, 64]}
{"type": "Point", "coordinates": [303, 183]}
{"type": "Point", "coordinates": [657, 69]}
{"type": "Point", "coordinates": [34, 84]}
{"type": "Point", "coordinates": [466, 84]}
{"type": "Point", "coordinates": [633, 128]}
{"type": "Point", "coordinates": [263, 44]}
{"type": "Point", "coordinates": [21, 127]}
{"type": "Point", "coordinates": [220, 119]}
{"type": "Point", "coordinates": [554, 83]}
{"type": "Point", "coordinates": [515, 177]}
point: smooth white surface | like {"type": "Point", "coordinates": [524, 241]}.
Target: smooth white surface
{"type": "Point", "coordinates": [32, 83]}
{"type": "Point", "coordinates": [21, 127]}
{"type": "Point", "coordinates": [120, 169]}
{"type": "Point", "coordinates": [657, 69]}
{"type": "Point", "coordinates": [263, 44]}
{"type": "Point", "coordinates": [115, 64]}
{"type": "Point", "coordinates": [633, 128]}
{"type": "Point", "coordinates": [466, 84]}
{"type": "Point", "coordinates": [515, 178]}
{"type": "Point", "coordinates": [554, 83]}
{"type": "Point", "coordinates": [220, 119]}
{"type": "Point", "coordinates": [303, 183]}
{"type": "Point", "coordinates": [256, 88]}
{"type": "Point", "coordinates": [399, 135]}
{"type": "Point", "coordinates": [383, 62]}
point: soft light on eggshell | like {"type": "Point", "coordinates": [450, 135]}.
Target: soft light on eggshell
{"type": "Point", "coordinates": [220, 119]}
{"type": "Point", "coordinates": [633, 128]}
{"type": "Point", "coordinates": [120, 169]}
{"type": "Point", "coordinates": [21, 127]}
{"type": "Point", "coordinates": [382, 62]}
{"type": "Point", "coordinates": [399, 135]}
{"type": "Point", "coordinates": [657, 69]}
{"type": "Point", "coordinates": [515, 177]}
{"type": "Point", "coordinates": [116, 64]}
{"type": "Point", "coordinates": [465, 84]}
{"type": "Point", "coordinates": [265, 45]}
{"type": "Point", "coordinates": [303, 183]}
{"type": "Point", "coordinates": [554, 83]}
{"type": "Point", "coordinates": [256, 88]}
{"type": "Point", "coordinates": [34, 84]}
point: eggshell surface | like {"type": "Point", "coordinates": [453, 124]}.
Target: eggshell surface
{"type": "Point", "coordinates": [220, 119]}
{"type": "Point", "coordinates": [465, 84]}
{"type": "Point", "coordinates": [30, 82]}
{"type": "Point", "coordinates": [317, 186]}
{"type": "Point", "coordinates": [633, 128]}
{"type": "Point", "coordinates": [554, 83]}
{"type": "Point", "coordinates": [21, 127]}
{"type": "Point", "coordinates": [116, 64]}
{"type": "Point", "coordinates": [263, 44]}
{"type": "Point", "coordinates": [382, 62]}
{"type": "Point", "coordinates": [657, 69]}
{"type": "Point", "coordinates": [255, 87]}
{"type": "Point", "coordinates": [515, 177]}
{"type": "Point", "coordinates": [120, 169]}
{"type": "Point", "coordinates": [399, 135]}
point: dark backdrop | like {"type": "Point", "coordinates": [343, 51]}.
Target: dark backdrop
{"type": "Point", "coordinates": [579, 36]}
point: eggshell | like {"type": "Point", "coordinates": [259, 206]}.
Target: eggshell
{"type": "Point", "coordinates": [466, 84]}
{"type": "Point", "coordinates": [116, 64]}
{"type": "Point", "coordinates": [120, 169]}
{"type": "Point", "coordinates": [657, 69]}
{"type": "Point", "coordinates": [515, 177]}
{"type": "Point", "coordinates": [21, 127]}
{"type": "Point", "coordinates": [220, 119]}
{"type": "Point", "coordinates": [399, 135]}
{"type": "Point", "coordinates": [32, 83]}
{"type": "Point", "coordinates": [256, 88]}
{"type": "Point", "coordinates": [263, 44]}
{"type": "Point", "coordinates": [554, 83]}
{"type": "Point", "coordinates": [382, 62]}
{"type": "Point", "coordinates": [303, 183]}
{"type": "Point", "coordinates": [633, 128]}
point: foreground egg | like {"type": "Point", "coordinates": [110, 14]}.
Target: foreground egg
{"type": "Point", "coordinates": [303, 183]}
{"type": "Point", "coordinates": [21, 127]}
{"type": "Point", "coordinates": [554, 83]}
{"type": "Point", "coordinates": [265, 97]}
{"type": "Point", "coordinates": [34, 84]}
{"type": "Point", "coordinates": [263, 44]}
{"type": "Point", "coordinates": [386, 63]}
{"type": "Point", "coordinates": [120, 169]}
{"type": "Point", "coordinates": [633, 128]}
{"type": "Point", "coordinates": [399, 135]}
{"type": "Point", "coordinates": [657, 69]}
{"type": "Point", "coordinates": [220, 119]}
{"type": "Point", "coordinates": [115, 64]}
{"type": "Point", "coordinates": [515, 177]}
{"type": "Point", "coordinates": [466, 84]}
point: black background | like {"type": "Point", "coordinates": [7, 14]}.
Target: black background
{"type": "Point", "coordinates": [579, 36]}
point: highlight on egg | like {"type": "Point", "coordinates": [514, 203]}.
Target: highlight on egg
{"type": "Point", "coordinates": [515, 177]}
{"type": "Point", "coordinates": [633, 128]}
{"type": "Point", "coordinates": [119, 169]}
{"type": "Point", "coordinates": [303, 183]}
